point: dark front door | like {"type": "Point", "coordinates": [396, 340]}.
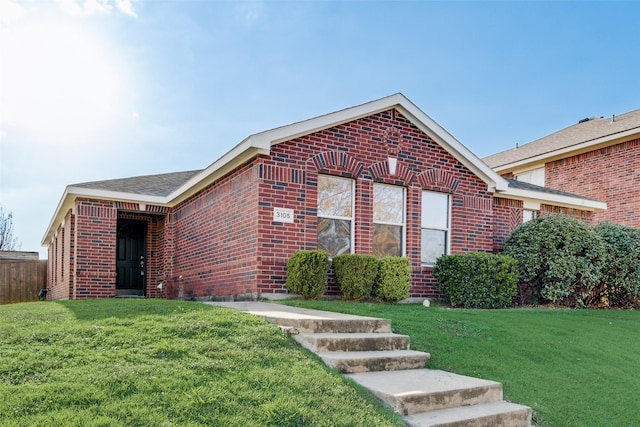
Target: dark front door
{"type": "Point", "coordinates": [131, 257]}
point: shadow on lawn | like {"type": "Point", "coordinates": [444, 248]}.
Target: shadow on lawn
{"type": "Point", "coordinates": [123, 308]}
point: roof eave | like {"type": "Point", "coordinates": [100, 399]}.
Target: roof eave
{"type": "Point", "coordinates": [240, 154]}
{"type": "Point", "coordinates": [401, 103]}
{"type": "Point", "coordinates": [67, 202]}
{"type": "Point", "coordinates": [554, 199]}
{"type": "Point", "coordinates": [572, 150]}
{"type": "Point", "coordinates": [315, 124]}
{"type": "Point", "coordinates": [426, 124]}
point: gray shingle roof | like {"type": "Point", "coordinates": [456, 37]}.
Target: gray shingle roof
{"type": "Point", "coordinates": [513, 183]}
{"type": "Point", "coordinates": [579, 133]}
{"type": "Point", "coordinates": [150, 185]}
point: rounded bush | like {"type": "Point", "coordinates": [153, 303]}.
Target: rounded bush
{"type": "Point", "coordinates": [477, 280]}
{"type": "Point", "coordinates": [559, 259]}
{"type": "Point", "coordinates": [355, 274]}
{"type": "Point", "coordinates": [307, 273]}
{"type": "Point", "coordinates": [621, 275]}
{"type": "Point", "coordinates": [394, 279]}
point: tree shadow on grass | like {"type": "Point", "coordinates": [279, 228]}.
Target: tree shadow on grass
{"type": "Point", "coordinates": [95, 309]}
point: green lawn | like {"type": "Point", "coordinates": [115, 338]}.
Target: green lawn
{"type": "Point", "coordinates": [573, 367]}
{"type": "Point", "coordinates": [154, 363]}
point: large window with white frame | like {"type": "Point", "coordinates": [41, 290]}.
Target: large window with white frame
{"type": "Point", "coordinates": [335, 214]}
{"type": "Point", "coordinates": [388, 220]}
{"type": "Point", "coordinates": [435, 226]}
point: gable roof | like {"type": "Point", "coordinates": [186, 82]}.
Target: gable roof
{"type": "Point", "coordinates": [260, 143]}
{"type": "Point", "coordinates": [172, 189]}
{"type": "Point", "coordinates": [149, 185]}
{"type": "Point", "coordinates": [583, 136]}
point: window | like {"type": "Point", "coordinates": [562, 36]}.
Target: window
{"type": "Point", "coordinates": [535, 176]}
{"type": "Point", "coordinates": [388, 220]}
{"type": "Point", "coordinates": [335, 214]}
{"type": "Point", "coordinates": [435, 226]}
{"type": "Point", "coordinates": [528, 215]}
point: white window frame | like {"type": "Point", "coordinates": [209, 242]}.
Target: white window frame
{"type": "Point", "coordinates": [529, 214]}
{"type": "Point", "coordinates": [424, 226]}
{"type": "Point", "coordinates": [532, 176]}
{"type": "Point", "coordinates": [353, 208]}
{"type": "Point", "coordinates": [403, 224]}
{"type": "Point", "coordinates": [533, 207]}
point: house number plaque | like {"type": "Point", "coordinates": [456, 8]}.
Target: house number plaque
{"type": "Point", "coordinates": [282, 215]}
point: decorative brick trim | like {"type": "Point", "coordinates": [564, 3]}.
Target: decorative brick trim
{"type": "Point", "coordinates": [478, 203]}
{"type": "Point", "coordinates": [337, 159]}
{"type": "Point", "coordinates": [135, 207]}
{"type": "Point", "coordinates": [281, 174]}
{"type": "Point", "coordinates": [497, 201]}
{"type": "Point", "coordinates": [393, 139]}
{"type": "Point", "coordinates": [381, 169]}
{"type": "Point", "coordinates": [438, 178]}
{"type": "Point", "coordinates": [95, 209]}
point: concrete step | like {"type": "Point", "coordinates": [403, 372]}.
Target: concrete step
{"type": "Point", "coordinates": [419, 390]}
{"type": "Point", "coordinates": [344, 326]}
{"type": "Point", "coordinates": [367, 361]}
{"type": "Point", "coordinates": [305, 320]}
{"type": "Point", "coordinates": [326, 342]}
{"type": "Point", "coordinates": [494, 414]}
{"type": "Point", "coordinates": [395, 374]}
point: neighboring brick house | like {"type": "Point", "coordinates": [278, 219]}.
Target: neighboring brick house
{"type": "Point", "coordinates": [379, 178]}
{"type": "Point", "coordinates": [597, 158]}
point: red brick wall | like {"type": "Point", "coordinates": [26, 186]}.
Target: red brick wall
{"type": "Point", "coordinates": [610, 174]}
{"type": "Point", "coordinates": [95, 249]}
{"type": "Point", "coordinates": [584, 216]}
{"type": "Point", "coordinates": [359, 150]}
{"type": "Point", "coordinates": [223, 240]}
{"type": "Point", "coordinates": [214, 239]}
{"type": "Point", "coordinates": [507, 216]}
{"type": "Point", "coordinates": [60, 260]}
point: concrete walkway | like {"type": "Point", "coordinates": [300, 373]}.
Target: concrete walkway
{"type": "Point", "coordinates": [367, 351]}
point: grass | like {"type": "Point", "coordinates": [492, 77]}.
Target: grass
{"type": "Point", "coordinates": [165, 363]}
{"type": "Point", "coordinates": [573, 367]}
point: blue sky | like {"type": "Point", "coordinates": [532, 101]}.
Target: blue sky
{"type": "Point", "coordinates": [102, 89]}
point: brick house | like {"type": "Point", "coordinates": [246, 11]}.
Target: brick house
{"type": "Point", "coordinates": [597, 158]}
{"type": "Point", "coordinates": [379, 178]}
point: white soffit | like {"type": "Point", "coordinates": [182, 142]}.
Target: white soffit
{"type": "Point", "coordinates": [529, 196]}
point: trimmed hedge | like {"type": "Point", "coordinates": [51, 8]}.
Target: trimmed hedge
{"type": "Point", "coordinates": [307, 273]}
{"type": "Point", "coordinates": [621, 275]}
{"type": "Point", "coordinates": [394, 279]}
{"type": "Point", "coordinates": [477, 280]}
{"type": "Point", "coordinates": [560, 260]}
{"type": "Point", "coordinates": [355, 274]}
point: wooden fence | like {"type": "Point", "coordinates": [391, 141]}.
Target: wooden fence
{"type": "Point", "coordinates": [21, 281]}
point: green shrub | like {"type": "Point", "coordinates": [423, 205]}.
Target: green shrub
{"type": "Point", "coordinates": [307, 273]}
{"type": "Point", "coordinates": [621, 274]}
{"type": "Point", "coordinates": [477, 280]}
{"type": "Point", "coordinates": [355, 274]}
{"type": "Point", "coordinates": [394, 279]}
{"type": "Point", "coordinates": [559, 259]}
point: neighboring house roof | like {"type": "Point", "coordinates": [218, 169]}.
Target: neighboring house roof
{"type": "Point", "coordinates": [175, 188]}
{"type": "Point", "coordinates": [586, 135]}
